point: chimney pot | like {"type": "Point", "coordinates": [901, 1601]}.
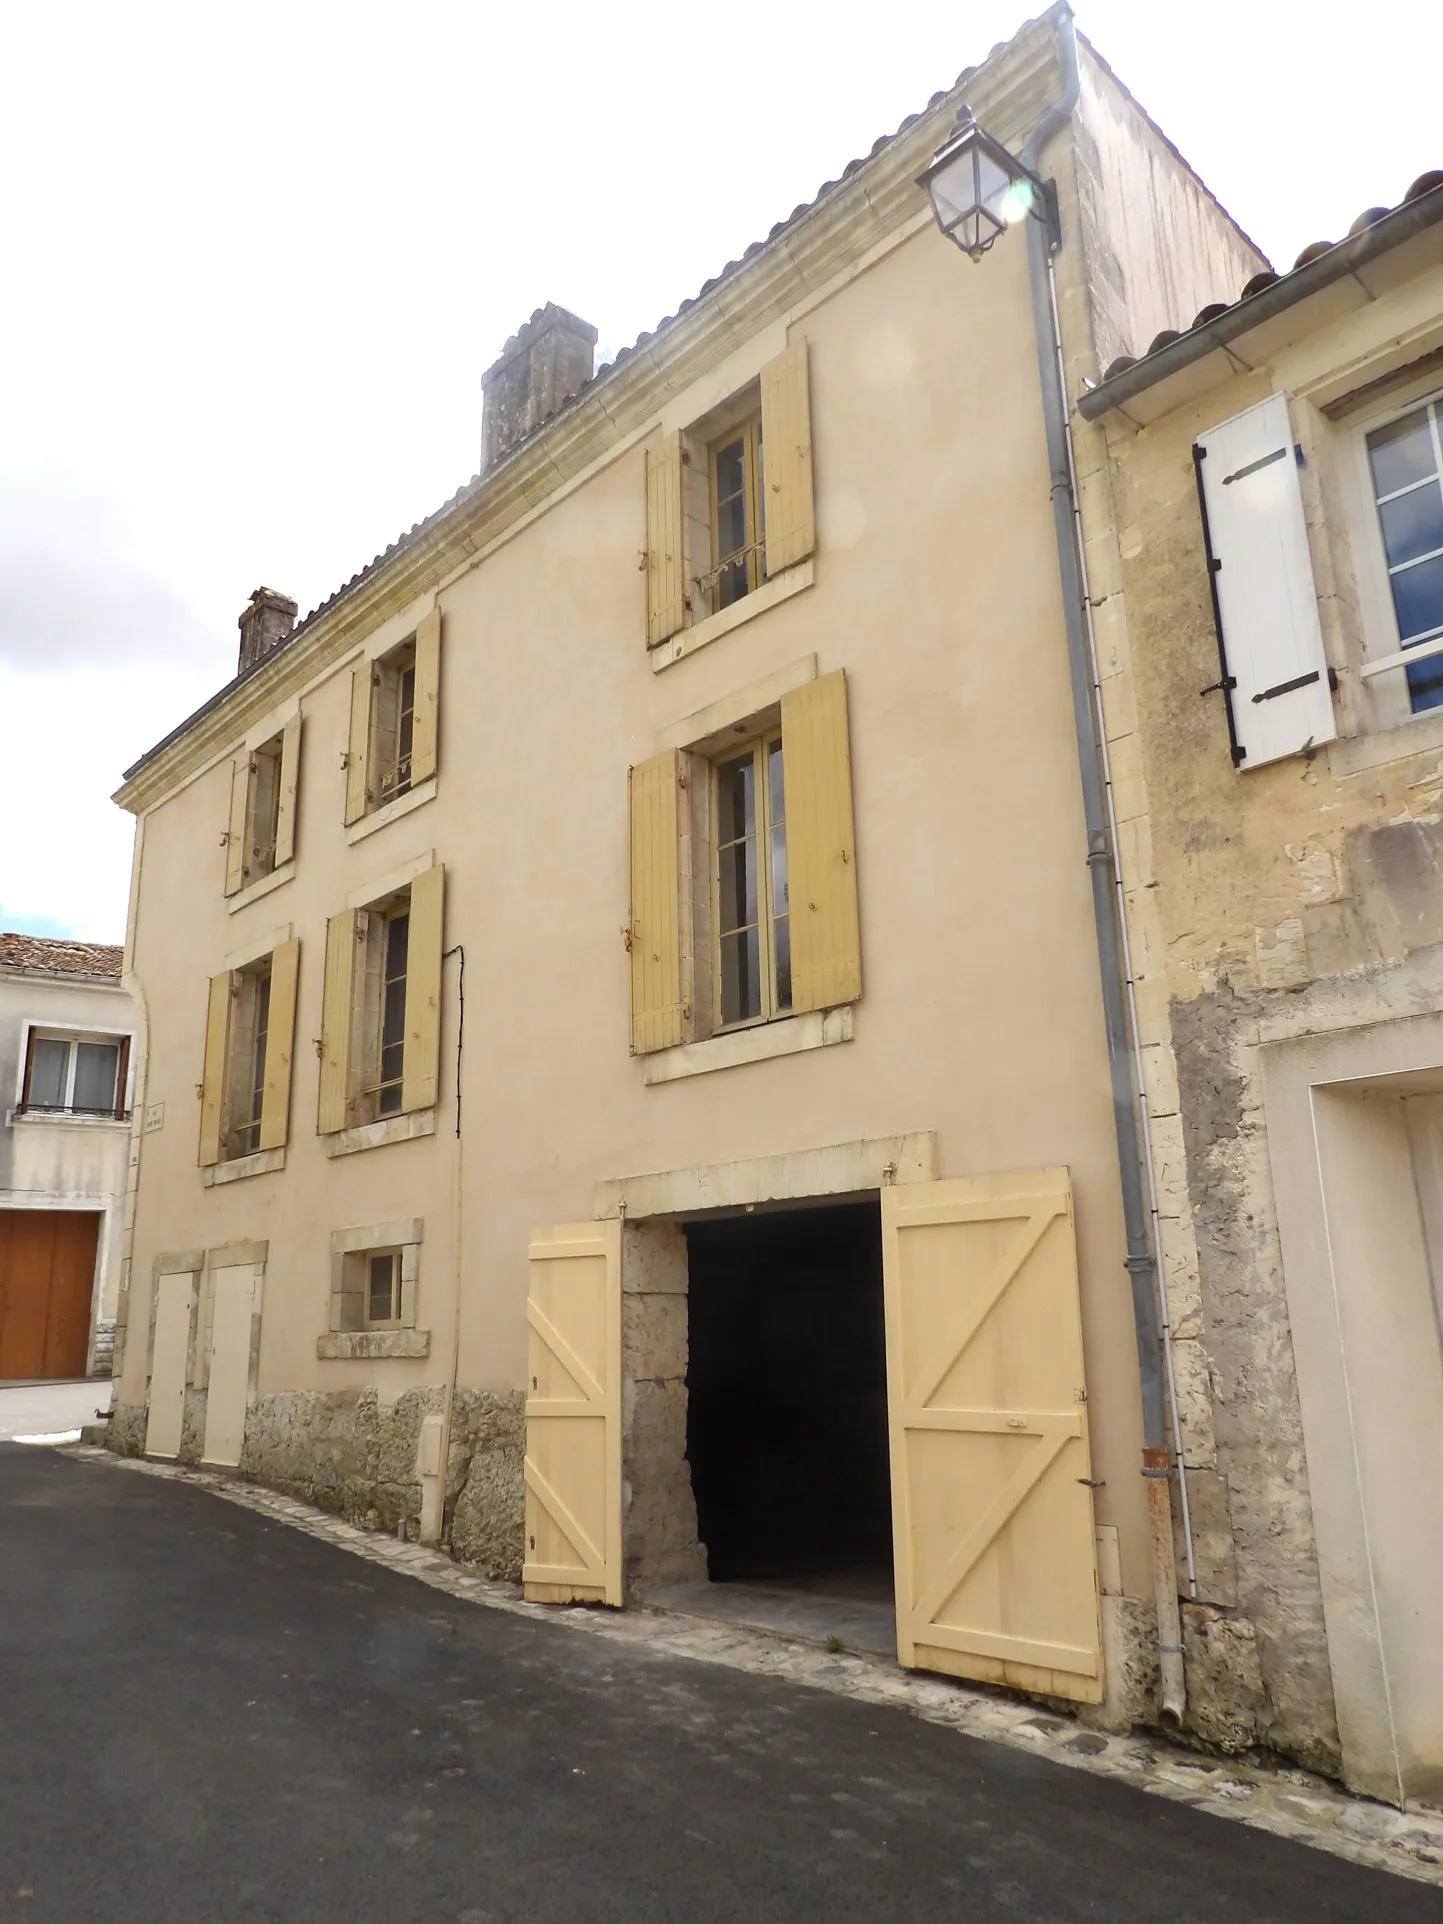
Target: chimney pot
{"type": "Point", "coordinates": [541, 367]}
{"type": "Point", "coordinates": [266, 621]}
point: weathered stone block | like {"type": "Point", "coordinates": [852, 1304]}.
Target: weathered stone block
{"type": "Point", "coordinates": [1130, 1667]}
{"type": "Point", "coordinates": [1214, 1555]}
{"type": "Point", "coordinates": [1226, 1703]}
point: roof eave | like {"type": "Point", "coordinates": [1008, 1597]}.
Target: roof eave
{"type": "Point", "coordinates": [1345, 259]}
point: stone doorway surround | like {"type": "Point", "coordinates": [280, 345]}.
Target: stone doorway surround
{"type": "Point", "coordinates": [1366, 1344]}
{"type": "Point", "coordinates": [660, 1540]}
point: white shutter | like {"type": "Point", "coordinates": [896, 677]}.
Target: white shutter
{"type": "Point", "coordinates": [1264, 596]}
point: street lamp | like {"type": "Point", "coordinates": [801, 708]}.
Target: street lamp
{"type": "Point", "coordinates": [979, 189]}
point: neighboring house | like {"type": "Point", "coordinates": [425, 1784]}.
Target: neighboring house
{"type": "Point", "coordinates": [66, 1028]}
{"type": "Point", "coordinates": [1272, 614]}
{"type": "Point", "coordinates": [716, 752]}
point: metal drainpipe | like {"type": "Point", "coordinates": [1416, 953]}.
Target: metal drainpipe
{"type": "Point", "coordinates": [1134, 1148]}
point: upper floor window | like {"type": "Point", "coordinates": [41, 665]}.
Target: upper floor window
{"type": "Point", "coordinates": [743, 875]}
{"type": "Point", "coordinates": [265, 780]}
{"type": "Point", "coordinates": [1405, 461]}
{"type": "Point", "coordinates": [753, 926]}
{"type": "Point", "coordinates": [719, 523]}
{"type": "Point", "coordinates": [72, 1075]}
{"type": "Point", "coordinates": [392, 746]}
{"type": "Point", "coordinates": [246, 1080]}
{"type": "Point", "coordinates": [737, 513]}
{"type": "Point", "coordinates": [381, 1007]}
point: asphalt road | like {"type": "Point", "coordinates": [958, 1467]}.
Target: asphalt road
{"type": "Point", "coordinates": [206, 1716]}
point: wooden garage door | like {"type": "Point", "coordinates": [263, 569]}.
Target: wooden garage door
{"type": "Point", "coordinates": [47, 1277]}
{"type": "Point", "coordinates": [991, 1506]}
{"type": "Point", "coordinates": [573, 1416]}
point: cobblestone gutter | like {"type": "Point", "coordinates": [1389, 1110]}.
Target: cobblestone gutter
{"type": "Point", "coordinates": [1290, 1803]}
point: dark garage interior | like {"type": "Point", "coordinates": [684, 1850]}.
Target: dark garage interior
{"type": "Point", "coordinates": [787, 1399]}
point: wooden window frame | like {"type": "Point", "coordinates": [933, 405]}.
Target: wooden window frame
{"type": "Point", "coordinates": [246, 1052]}
{"type": "Point", "coordinates": [773, 1009]}
{"type": "Point", "coordinates": [370, 1007]}
{"type": "Point", "coordinates": [747, 429]}
{"type": "Point", "coordinates": [395, 1320]}
{"type": "Point", "coordinates": [392, 724]}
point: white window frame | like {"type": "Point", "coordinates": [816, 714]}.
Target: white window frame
{"type": "Point", "coordinates": [71, 1032]}
{"type": "Point", "coordinates": [1384, 659]}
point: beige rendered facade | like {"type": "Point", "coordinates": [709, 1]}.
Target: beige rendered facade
{"type": "Point", "coordinates": [1282, 830]}
{"type": "Point", "coordinates": [782, 578]}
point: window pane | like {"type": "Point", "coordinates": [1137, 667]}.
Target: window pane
{"type": "Point", "coordinates": [49, 1066]}
{"type": "Point", "coordinates": [776, 790]}
{"type": "Point", "coordinates": [741, 977]}
{"type": "Point", "coordinates": [738, 891]}
{"type": "Point", "coordinates": [1413, 523]}
{"type": "Point", "coordinates": [736, 799]}
{"type": "Point", "coordinates": [782, 944]}
{"type": "Point", "coordinates": [258, 1066]}
{"type": "Point", "coordinates": [95, 1065]}
{"type": "Point", "coordinates": [380, 1305]}
{"type": "Point", "coordinates": [1425, 684]}
{"type": "Point", "coordinates": [1401, 452]}
{"type": "Point", "coordinates": [780, 902]}
{"type": "Point", "coordinates": [1418, 598]}
{"type": "Point", "coordinates": [731, 469]}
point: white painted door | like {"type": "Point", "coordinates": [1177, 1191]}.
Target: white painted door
{"type": "Point", "coordinates": [233, 1302]}
{"type": "Point", "coordinates": [173, 1298]}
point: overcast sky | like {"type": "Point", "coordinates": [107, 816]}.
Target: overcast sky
{"type": "Point", "coordinates": [256, 259]}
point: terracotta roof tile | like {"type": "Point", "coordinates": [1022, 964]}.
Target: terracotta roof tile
{"type": "Point", "coordinates": [95, 959]}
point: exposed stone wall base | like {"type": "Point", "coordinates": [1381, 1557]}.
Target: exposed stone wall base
{"type": "Point", "coordinates": [659, 1523]}
{"type": "Point", "coordinates": [346, 1453]}
{"type": "Point", "coordinates": [1227, 1706]}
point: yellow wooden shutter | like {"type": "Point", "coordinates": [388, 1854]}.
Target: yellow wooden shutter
{"type": "Point", "coordinates": [665, 567]}
{"type": "Point", "coordinates": [421, 1052]}
{"type": "Point", "coordinates": [280, 1045]}
{"type": "Point", "coordinates": [788, 519]}
{"type": "Point", "coordinates": [331, 1106]}
{"type": "Point", "coordinates": [212, 1090]}
{"type": "Point", "coordinates": [996, 1572]}
{"type": "Point", "coordinates": [428, 690]}
{"type": "Point", "coordinates": [656, 1013]}
{"type": "Point", "coordinates": [573, 1416]}
{"type": "Point", "coordinates": [238, 832]}
{"type": "Point", "coordinates": [358, 750]}
{"type": "Point", "coordinates": [290, 778]}
{"type": "Point", "coordinates": [821, 846]}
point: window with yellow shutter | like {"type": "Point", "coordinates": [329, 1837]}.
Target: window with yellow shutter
{"type": "Point", "coordinates": [261, 836]}
{"type": "Point", "coordinates": [729, 504]}
{"type": "Point", "coordinates": [250, 1033]}
{"type": "Point", "coordinates": [394, 715]}
{"type": "Point", "coordinates": [381, 1013]}
{"type": "Point", "coordinates": [744, 874]}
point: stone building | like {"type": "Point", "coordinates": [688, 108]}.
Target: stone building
{"type": "Point", "coordinates": [66, 1029]}
{"type": "Point", "coordinates": [1265, 493]}
{"type": "Point", "coordinates": [633, 1017]}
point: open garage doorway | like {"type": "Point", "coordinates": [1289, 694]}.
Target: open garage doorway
{"type": "Point", "coordinates": [785, 1393]}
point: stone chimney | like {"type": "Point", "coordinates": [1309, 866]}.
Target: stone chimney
{"type": "Point", "coordinates": [269, 617]}
{"type": "Point", "coordinates": [541, 366]}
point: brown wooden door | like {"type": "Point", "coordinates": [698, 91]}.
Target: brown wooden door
{"type": "Point", "coordinates": [47, 1274]}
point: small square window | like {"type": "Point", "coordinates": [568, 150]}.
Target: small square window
{"type": "Point", "coordinates": [383, 1289]}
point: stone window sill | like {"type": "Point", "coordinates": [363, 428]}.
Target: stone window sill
{"type": "Point", "coordinates": [371, 1135]}
{"type": "Point", "coordinates": [1356, 754]}
{"type": "Point", "coordinates": [372, 1345]}
{"type": "Point", "coordinates": [263, 887]}
{"type": "Point", "coordinates": [818, 1029]}
{"type": "Point", "coordinates": [780, 588]}
{"type": "Point", "coordinates": [62, 1119]}
{"type": "Point", "coordinates": [393, 811]}
{"type": "Point", "coordinates": [265, 1162]}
